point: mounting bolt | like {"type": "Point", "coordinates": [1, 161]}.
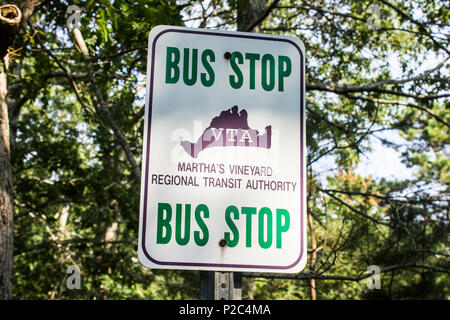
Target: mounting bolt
{"type": "Point", "coordinates": [227, 55]}
{"type": "Point", "coordinates": [223, 243]}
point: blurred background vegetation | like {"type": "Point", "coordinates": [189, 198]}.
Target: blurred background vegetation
{"type": "Point", "coordinates": [377, 72]}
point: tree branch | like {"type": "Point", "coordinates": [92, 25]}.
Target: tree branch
{"type": "Point", "coordinates": [100, 103]}
{"type": "Point", "coordinates": [313, 275]}
{"type": "Point", "coordinates": [377, 86]}
{"type": "Point", "coordinates": [262, 16]}
{"type": "Point", "coordinates": [421, 26]}
{"type": "Point", "coordinates": [49, 244]}
{"type": "Point", "coordinates": [378, 196]}
{"type": "Point", "coordinates": [402, 103]}
{"type": "Point", "coordinates": [61, 66]}
{"type": "Point", "coordinates": [356, 210]}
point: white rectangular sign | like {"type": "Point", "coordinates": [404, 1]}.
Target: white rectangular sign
{"type": "Point", "coordinates": [223, 168]}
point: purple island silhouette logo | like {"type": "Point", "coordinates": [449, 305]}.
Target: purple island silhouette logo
{"type": "Point", "coordinates": [229, 129]}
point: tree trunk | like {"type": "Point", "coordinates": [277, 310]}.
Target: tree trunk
{"type": "Point", "coordinates": [6, 192]}
{"type": "Point", "coordinates": [250, 14]}
{"type": "Point", "coordinates": [312, 264]}
{"type": "Point", "coordinates": [10, 17]}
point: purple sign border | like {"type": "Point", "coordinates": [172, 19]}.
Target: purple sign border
{"type": "Point", "coordinates": [144, 222]}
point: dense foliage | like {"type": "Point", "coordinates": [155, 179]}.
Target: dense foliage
{"type": "Point", "coordinates": [77, 123]}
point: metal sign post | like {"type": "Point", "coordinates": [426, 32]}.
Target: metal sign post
{"type": "Point", "coordinates": [220, 285]}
